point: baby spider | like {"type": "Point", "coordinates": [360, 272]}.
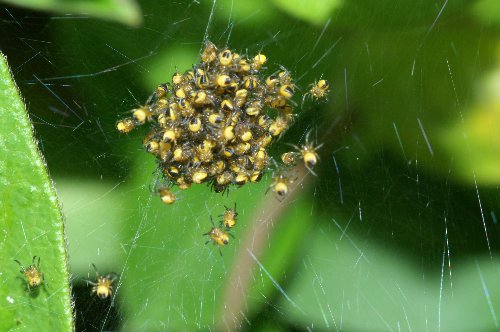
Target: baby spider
{"type": "Point", "coordinates": [32, 273]}
{"type": "Point", "coordinates": [289, 158]}
{"type": "Point", "coordinates": [307, 152]}
{"type": "Point", "coordinates": [103, 286]}
{"type": "Point", "coordinates": [217, 236]}
{"type": "Point", "coordinates": [320, 89]}
{"type": "Point", "coordinates": [229, 217]}
{"type": "Point", "coordinates": [280, 185]}
{"type": "Point", "coordinates": [163, 191]}
{"type": "Point", "coordinates": [166, 195]}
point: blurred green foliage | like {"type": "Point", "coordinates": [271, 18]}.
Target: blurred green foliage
{"type": "Point", "coordinates": [123, 11]}
{"type": "Point", "coordinates": [409, 171]}
{"type": "Point", "coordinates": [474, 141]}
{"type": "Point", "coordinates": [315, 12]}
{"type": "Point", "coordinates": [487, 11]}
{"type": "Point", "coordinates": [379, 290]}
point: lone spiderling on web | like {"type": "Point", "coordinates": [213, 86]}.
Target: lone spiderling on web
{"type": "Point", "coordinates": [103, 286]}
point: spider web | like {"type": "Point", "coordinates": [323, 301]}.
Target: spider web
{"type": "Point", "coordinates": [395, 232]}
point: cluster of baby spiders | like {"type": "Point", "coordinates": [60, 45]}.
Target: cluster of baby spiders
{"type": "Point", "coordinates": [219, 236]}
{"type": "Point", "coordinates": [214, 123]}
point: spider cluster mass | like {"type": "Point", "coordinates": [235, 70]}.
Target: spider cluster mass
{"type": "Point", "coordinates": [213, 123]}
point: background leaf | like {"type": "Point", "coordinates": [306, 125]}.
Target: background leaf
{"type": "Point", "coordinates": [359, 289]}
{"type": "Point", "coordinates": [178, 251]}
{"type": "Point", "coordinates": [123, 11]}
{"type": "Point", "coordinates": [488, 11]}
{"type": "Point", "coordinates": [315, 12]}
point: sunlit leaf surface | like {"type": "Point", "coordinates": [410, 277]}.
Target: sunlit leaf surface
{"type": "Point", "coordinates": [123, 11]}
{"type": "Point", "coordinates": [315, 12]}
{"type": "Point", "coordinates": [32, 225]}
{"type": "Point", "coordinates": [474, 140]}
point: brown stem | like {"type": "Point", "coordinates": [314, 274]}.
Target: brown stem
{"type": "Point", "coordinates": [268, 214]}
{"type": "Point", "coordinates": [263, 223]}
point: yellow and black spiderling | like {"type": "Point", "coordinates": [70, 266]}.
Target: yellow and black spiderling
{"type": "Point", "coordinates": [34, 276]}
{"type": "Point", "coordinates": [103, 286]}
{"type": "Point", "coordinates": [229, 218]}
{"type": "Point", "coordinates": [320, 89]}
{"type": "Point", "coordinates": [213, 123]}
{"type": "Point", "coordinates": [280, 184]}
{"type": "Point", "coordinates": [218, 236]}
{"type": "Point", "coordinates": [289, 158]}
{"type": "Point", "coordinates": [125, 125]}
{"type": "Point", "coordinates": [167, 196]}
{"type": "Point", "coordinates": [308, 153]}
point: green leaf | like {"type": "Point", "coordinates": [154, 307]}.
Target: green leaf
{"type": "Point", "coordinates": [123, 11]}
{"type": "Point", "coordinates": [474, 140]}
{"type": "Point", "coordinates": [164, 64]}
{"type": "Point", "coordinates": [31, 225]}
{"type": "Point", "coordinates": [315, 12]}
{"type": "Point", "coordinates": [487, 11]}
{"type": "Point", "coordinates": [93, 222]}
